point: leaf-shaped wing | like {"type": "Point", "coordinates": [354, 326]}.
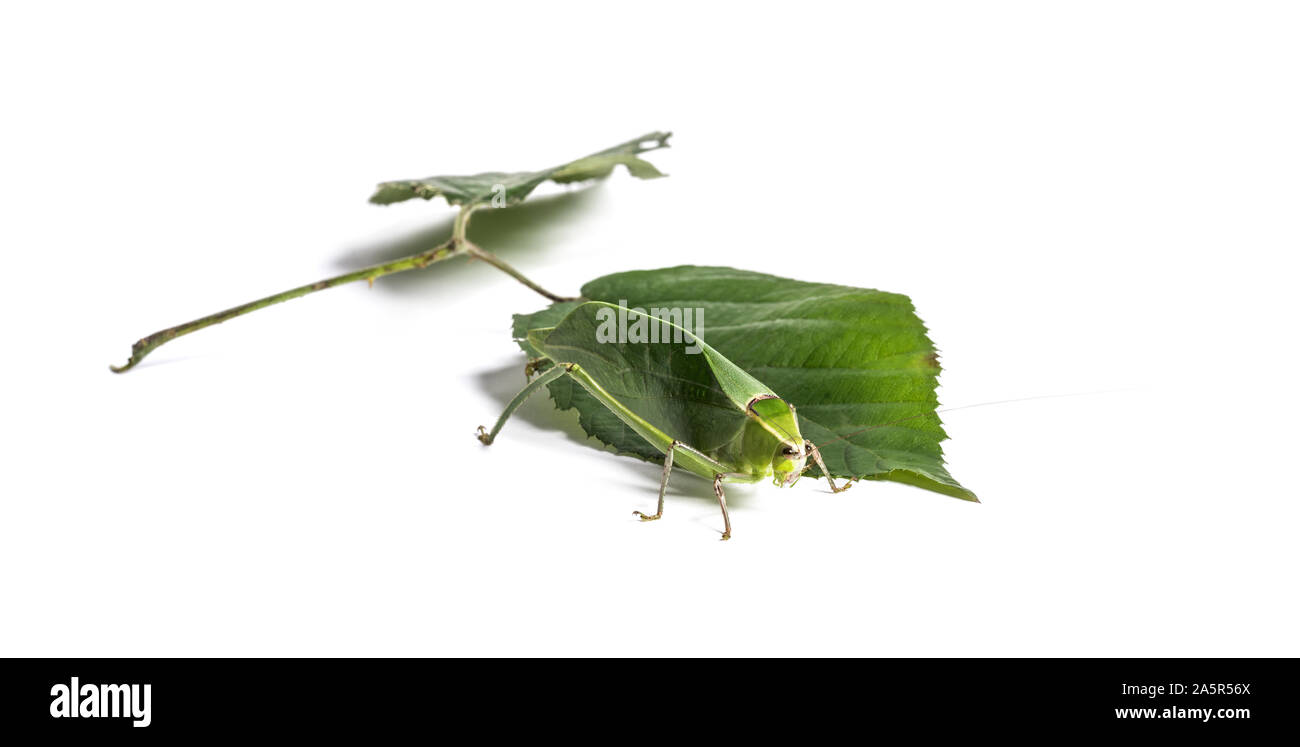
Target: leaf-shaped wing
{"type": "Point", "coordinates": [856, 363]}
{"type": "Point", "coordinates": [681, 387]}
{"type": "Point", "coordinates": [479, 189]}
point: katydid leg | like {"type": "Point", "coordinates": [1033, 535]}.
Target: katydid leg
{"type": "Point", "coordinates": [533, 366]}
{"type": "Point", "coordinates": [663, 485]}
{"type": "Point", "coordinates": [722, 501]}
{"type": "Point", "coordinates": [668, 468]}
{"type": "Point", "coordinates": [551, 375]}
{"type": "Point", "coordinates": [692, 459]}
{"type": "Point", "coordinates": [688, 458]}
{"type": "Point", "coordinates": [817, 457]}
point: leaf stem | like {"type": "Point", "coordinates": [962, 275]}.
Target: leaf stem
{"type": "Point", "coordinates": [458, 235]}
{"type": "Point", "coordinates": [457, 245]}
{"type": "Point", "coordinates": [146, 345]}
{"type": "Point", "coordinates": [477, 253]}
{"type": "Point", "coordinates": [461, 224]}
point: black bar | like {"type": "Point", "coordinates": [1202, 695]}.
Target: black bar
{"type": "Point", "coordinates": [234, 697]}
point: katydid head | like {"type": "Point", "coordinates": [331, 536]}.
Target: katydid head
{"type": "Point", "coordinates": [779, 421]}
{"type": "Point", "coordinates": [789, 463]}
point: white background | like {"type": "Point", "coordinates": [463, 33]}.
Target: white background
{"type": "Point", "coordinates": [1089, 198]}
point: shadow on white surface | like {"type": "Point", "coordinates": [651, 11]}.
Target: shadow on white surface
{"type": "Point", "coordinates": [526, 231]}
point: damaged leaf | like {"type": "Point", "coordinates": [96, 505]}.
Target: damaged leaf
{"type": "Point", "coordinates": [501, 189]}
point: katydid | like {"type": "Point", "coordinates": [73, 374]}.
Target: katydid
{"type": "Point", "coordinates": [701, 411]}
{"type": "Point", "coordinates": [857, 363]}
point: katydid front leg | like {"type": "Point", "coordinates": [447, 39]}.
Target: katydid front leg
{"type": "Point", "coordinates": [817, 457]}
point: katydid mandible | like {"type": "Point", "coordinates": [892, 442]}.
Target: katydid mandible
{"type": "Point", "coordinates": [702, 412]}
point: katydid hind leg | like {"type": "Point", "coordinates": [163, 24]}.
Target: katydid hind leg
{"type": "Point", "coordinates": [488, 437]}
{"type": "Point", "coordinates": [663, 485]}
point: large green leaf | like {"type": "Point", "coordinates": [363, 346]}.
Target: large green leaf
{"type": "Point", "coordinates": [480, 189]}
{"type": "Point", "coordinates": [856, 363]}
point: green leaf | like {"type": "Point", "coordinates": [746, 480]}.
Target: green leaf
{"type": "Point", "coordinates": [480, 189]}
{"type": "Point", "coordinates": [856, 363]}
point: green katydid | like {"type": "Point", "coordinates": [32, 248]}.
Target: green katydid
{"type": "Point", "coordinates": [702, 412]}
{"type": "Point", "coordinates": [857, 363]}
